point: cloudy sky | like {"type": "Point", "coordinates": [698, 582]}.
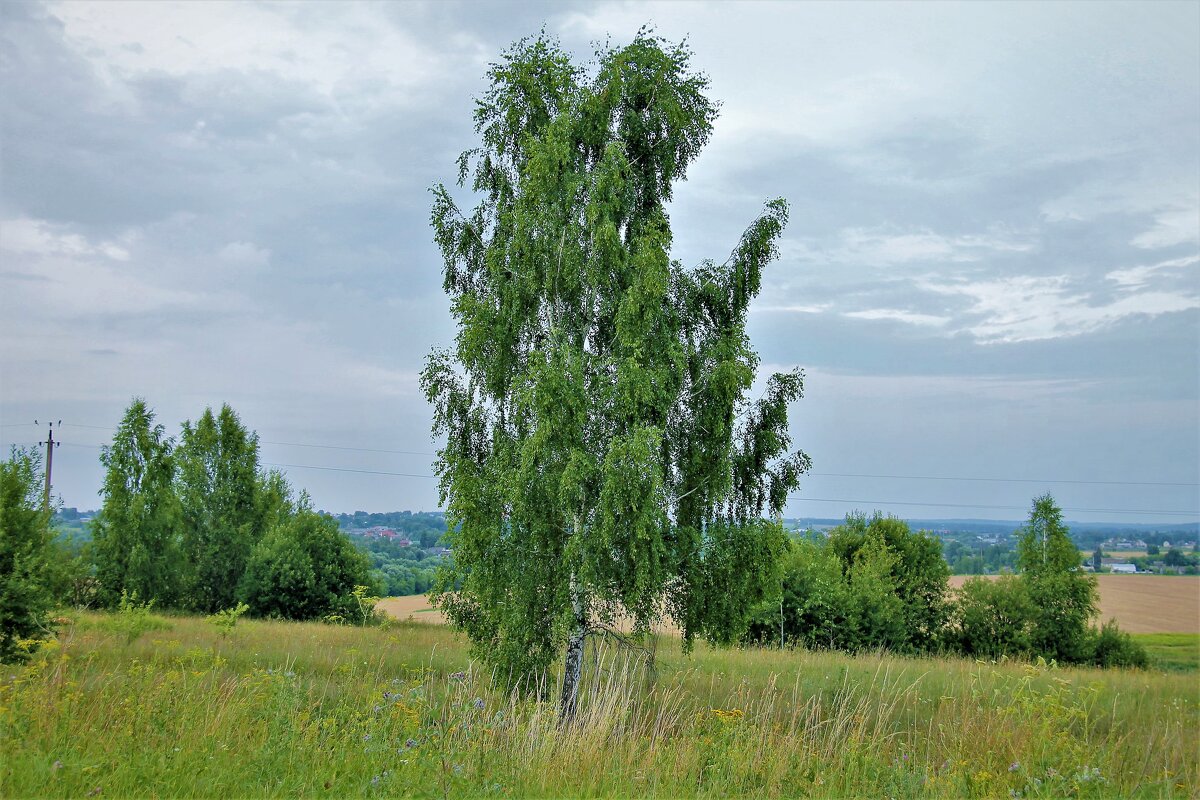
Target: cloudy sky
{"type": "Point", "coordinates": [992, 269]}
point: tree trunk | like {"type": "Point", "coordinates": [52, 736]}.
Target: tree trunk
{"type": "Point", "coordinates": [572, 671]}
{"type": "Point", "coordinates": [573, 668]}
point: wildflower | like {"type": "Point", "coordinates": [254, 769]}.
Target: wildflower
{"type": "Point", "coordinates": [458, 676]}
{"type": "Point", "coordinates": [387, 695]}
{"type": "Point", "coordinates": [478, 703]}
{"type": "Point", "coordinates": [410, 743]}
{"type": "Point", "coordinates": [366, 737]}
{"type": "Point", "coordinates": [377, 709]}
{"type": "Point", "coordinates": [1016, 765]}
{"type": "Point", "coordinates": [56, 766]}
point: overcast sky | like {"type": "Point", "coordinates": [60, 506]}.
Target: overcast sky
{"type": "Point", "coordinates": [992, 268]}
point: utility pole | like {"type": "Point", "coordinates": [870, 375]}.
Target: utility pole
{"type": "Point", "coordinates": [50, 445]}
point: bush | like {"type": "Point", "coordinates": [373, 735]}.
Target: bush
{"type": "Point", "coordinates": [1111, 647]}
{"type": "Point", "coordinates": [994, 618]}
{"type": "Point", "coordinates": [133, 618]}
{"type": "Point", "coordinates": [305, 568]}
{"type": "Point", "coordinates": [25, 597]}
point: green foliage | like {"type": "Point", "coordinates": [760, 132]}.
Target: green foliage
{"type": "Point", "coordinates": [402, 570]}
{"type": "Point", "coordinates": [1176, 558]}
{"type": "Point", "coordinates": [992, 559]}
{"type": "Point", "coordinates": [226, 619]}
{"type": "Point", "coordinates": [1111, 647]}
{"type": "Point", "coordinates": [1046, 610]}
{"type": "Point", "coordinates": [304, 568]}
{"type": "Point", "coordinates": [994, 618]}
{"type": "Point", "coordinates": [222, 506]}
{"type": "Point", "coordinates": [872, 583]}
{"type": "Point", "coordinates": [915, 571]}
{"type": "Point", "coordinates": [71, 571]}
{"type": "Point", "coordinates": [1063, 595]}
{"type": "Point", "coordinates": [600, 455]}
{"type": "Point", "coordinates": [364, 606]}
{"type": "Point", "coordinates": [136, 533]}
{"type": "Point", "coordinates": [25, 596]}
{"type": "Point", "coordinates": [134, 618]}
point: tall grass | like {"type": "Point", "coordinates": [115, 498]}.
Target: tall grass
{"type": "Point", "coordinates": [289, 709]}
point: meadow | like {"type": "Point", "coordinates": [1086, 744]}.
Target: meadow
{"type": "Point", "coordinates": [122, 706]}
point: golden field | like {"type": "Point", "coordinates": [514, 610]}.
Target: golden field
{"type": "Point", "coordinates": [1139, 603]}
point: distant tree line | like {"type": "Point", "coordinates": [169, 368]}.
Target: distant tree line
{"type": "Point", "coordinates": [401, 569]}
{"type": "Point", "coordinates": [873, 583]}
{"type": "Point", "coordinates": [984, 559]}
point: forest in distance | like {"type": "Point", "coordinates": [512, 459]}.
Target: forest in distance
{"type": "Point", "coordinates": [406, 557]}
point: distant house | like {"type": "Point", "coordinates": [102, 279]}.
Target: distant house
{"type": "Point", "coordinates": [1125, 569]}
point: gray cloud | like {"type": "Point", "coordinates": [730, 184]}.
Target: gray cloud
{"type": "Point", "coordinates": [991, 267]}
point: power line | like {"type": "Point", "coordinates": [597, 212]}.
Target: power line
{"type": "Point", "coordinates": [343, 447]}
{"type": "Point", "coordinates": [809, 499]}
{"type": "Point", "coordinates": [811, 474]}
{"type": "Point", "coordinates": [346, 469]}
{"type": "Point", "coordinates": [1006, 508]}
{"type": "Point", "coordinates": [1171, 512]}
{"type": "Point", "coordinates": [998, 480]}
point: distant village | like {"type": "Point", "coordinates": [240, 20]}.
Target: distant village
{"type": "Point", "coordinates": [381, 533]}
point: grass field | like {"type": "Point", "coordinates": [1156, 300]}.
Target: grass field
{"type": "Point", "coordinates": [306, 710]}
{"type": "Point", "coordinates": [1172, 651]}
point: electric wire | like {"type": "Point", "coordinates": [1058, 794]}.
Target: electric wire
{"type": "Point", "coordinates": [795, 496]}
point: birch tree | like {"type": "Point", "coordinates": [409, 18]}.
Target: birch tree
{"type": "Point", "coordinates": [136, 534]}
{"type": "Point", "coordinates": [220, 493]}
{"type": "Point", "coordinates": [602, 459]}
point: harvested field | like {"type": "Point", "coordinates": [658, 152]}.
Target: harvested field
{"type": "Point", "coordinates": [1139, 603]}
{"type": "Point", "coordinates": [1146, 603]}
{"type": "Point", "coordinates": [415, 606]}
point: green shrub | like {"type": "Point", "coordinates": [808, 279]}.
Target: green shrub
{"type": "Point", "coordinates": [994, 617]}
{"type": "Point", "coordinates": [1111, 647]}
{"type": "Point", "coordinates": [133, 618]}
{"type": "Point", "coordinates": [25, 596]}
{"type": "Point", "coordinates": [226, 619]}
{"type": "Point", "coordinates": [305, 568]}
